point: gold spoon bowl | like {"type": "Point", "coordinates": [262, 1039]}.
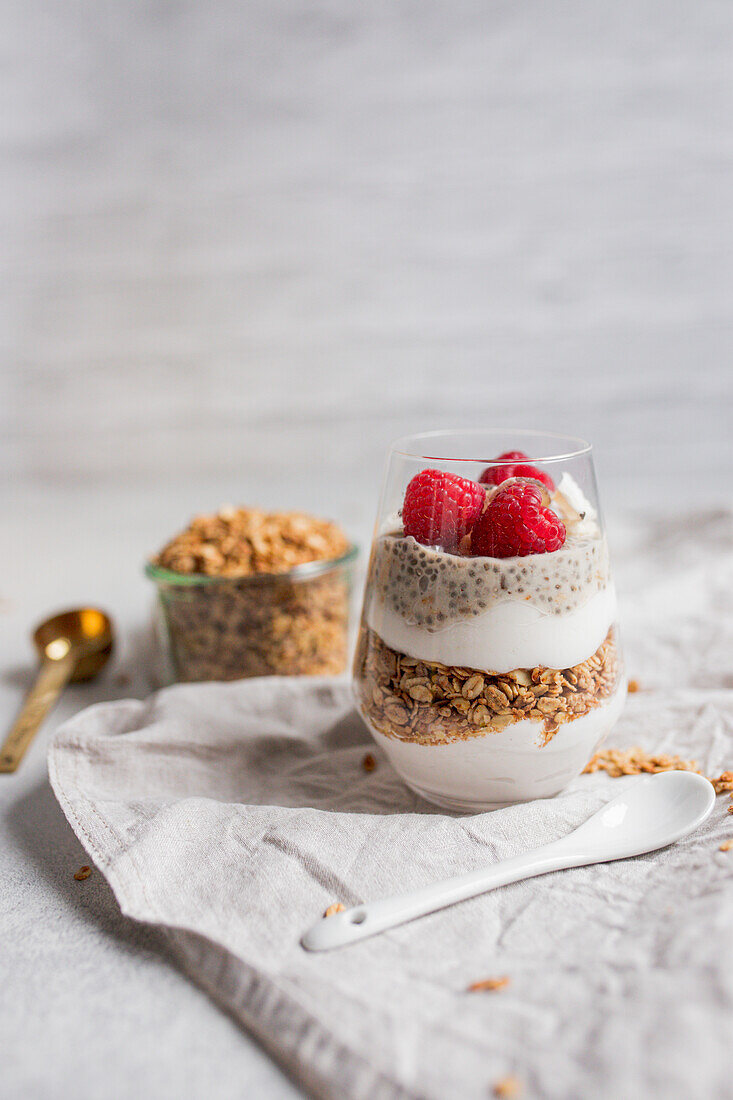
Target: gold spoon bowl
{"type": "Point", "coordinates": [73, 646]}
{"type": "Point", "coordinates": [86, 631]}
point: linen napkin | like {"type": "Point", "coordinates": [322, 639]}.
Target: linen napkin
{"type": "Point", "coordinates": [233, 815]}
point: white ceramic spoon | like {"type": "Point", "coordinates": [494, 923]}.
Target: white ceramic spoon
{"type": "Point", "coordinates": [651, 813]}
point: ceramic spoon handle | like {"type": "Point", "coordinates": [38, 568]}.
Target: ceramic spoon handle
{"type": "Point", "coordinates": [367, 920]}
{"type": "Point", "coordinates": [52, 678]}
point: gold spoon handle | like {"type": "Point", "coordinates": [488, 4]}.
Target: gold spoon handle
{"type": "Point", "coordinates": [52, 678]}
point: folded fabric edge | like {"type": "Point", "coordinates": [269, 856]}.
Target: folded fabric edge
{"type": "Point", "coordinates": [327, 1068]}
{"type": "Point", "coordinates": [322, 1064]}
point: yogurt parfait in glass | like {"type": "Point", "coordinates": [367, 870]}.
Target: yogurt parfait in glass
{"type": "Point", "coordinates": [488, 665]}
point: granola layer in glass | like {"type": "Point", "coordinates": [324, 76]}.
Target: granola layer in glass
{"type": "Point", "coordinates": [430, 703]}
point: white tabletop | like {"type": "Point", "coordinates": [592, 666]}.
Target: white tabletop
{"type": "Point", "coordinates": [246, 245]}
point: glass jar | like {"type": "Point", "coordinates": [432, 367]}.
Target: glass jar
{"type": "Point", "coordinates": [267, 624]}
{"type": "Point", "coordinates": [490, 679]}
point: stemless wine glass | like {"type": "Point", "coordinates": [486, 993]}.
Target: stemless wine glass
{"type": "Point", "coordinates": [489, 677]}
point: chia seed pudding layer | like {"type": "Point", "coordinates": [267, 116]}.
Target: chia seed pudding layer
{"type": "Point", "coordinates": [429, 587]}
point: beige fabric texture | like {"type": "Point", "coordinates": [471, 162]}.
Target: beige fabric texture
{"type": "Point", "coordinates": [233, 815]}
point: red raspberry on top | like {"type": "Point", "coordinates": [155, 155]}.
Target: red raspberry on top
{"type": "Point", "coordinates": [516, 466]}
{"type": "Point", "coordinates": [439, 508]}
{"type": "Point", "coordinates": [516, 523]}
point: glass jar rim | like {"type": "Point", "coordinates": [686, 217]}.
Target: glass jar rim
{"type": "Point", "coordinates": [418, 444]}
{"type": "Point", "coordinates": [305, 571]}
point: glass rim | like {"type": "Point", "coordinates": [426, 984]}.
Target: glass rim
{"type": "Point", "coordinates": [406, 445]}
{"type": "Point", "coordinates": [305, 571]}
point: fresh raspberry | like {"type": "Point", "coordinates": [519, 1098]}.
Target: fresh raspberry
{"type": "Point", "coordinates": [516, 466]}
{"type": "Point", "coordinates": [506, 456]}
{"type": "Point", "coordinates": [439, 508]}
{"type": "Point", "coordinates": [517, 523]}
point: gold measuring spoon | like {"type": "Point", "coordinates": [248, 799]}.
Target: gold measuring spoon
{"type": "Point", "coordinates": [74, 645]}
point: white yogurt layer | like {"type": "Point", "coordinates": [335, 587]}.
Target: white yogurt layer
{"type": "Point", "coordinates": [510, 634]}
{"type": "Point", "coordinates": [574, 494]}
{"type": "Point", "coordinates": [508, 766]}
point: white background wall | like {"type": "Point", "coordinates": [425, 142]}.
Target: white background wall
{"type": "Point", "coordinates": [245, 245]}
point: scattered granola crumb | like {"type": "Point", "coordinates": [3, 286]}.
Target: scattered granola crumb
{"type": "Point", "coordinates": [82, 873]}
{"type": "Point", "coordinates": [726, 845]}
{"type": "Point", "coordinates": [508, 1087]}
{"type": "Point", "coordinates": [488, 985]}
{"type": "Point", "coordinates": [337, 907]}
{"type": "Point", "coordinates": [633, 686]}
{"type": "Point", "coordinates": [369, 763]}
{"type": "Point", "coordinates": [636, 761]}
